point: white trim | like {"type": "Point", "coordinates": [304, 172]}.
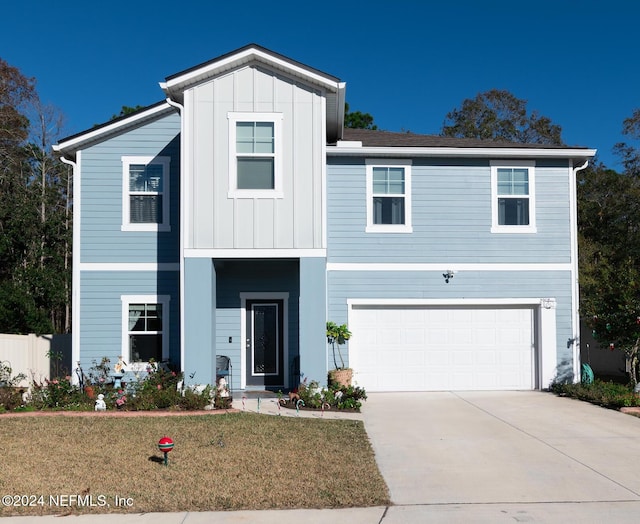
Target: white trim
{"type": "Point", "coordinates": [248, 295]}
{"type": "Point", "coordinates": [550, 302]}
{"type": "Point", "coordinates": [84, 138]}
{"type": "Point", "coordinates": [531, 195]}
{"type": "Point", "coordinates": [323, 172]}
{"type": "Point", "coordinates": [247, 55]}
{"type": "Point", "coordinates": [165, 162]}
{"type": "Point", "coordinates": [129, 266]}
{"type": "Point", "coordinates": [254, 253]}
{"type": "Point", "coordinates": [454, 152]}
{"type": "Point", "coordinates": [389, 228]}
{"type": "Point", "coordinates": [144, 299]}
{"type": "Point", "coordinates": [443, 266]}
{"type": "Point", "coordinates": [278, 175]}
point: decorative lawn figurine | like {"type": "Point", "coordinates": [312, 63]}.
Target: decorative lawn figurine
{"type": "Point", "coordinates": [100, 403]}
{"type": "Point", "coordinates": [165, 444]}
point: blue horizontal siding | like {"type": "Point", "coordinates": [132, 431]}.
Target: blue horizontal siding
{"type": "Point", "coordinates": [101, 238]}
{"type": "Point", "coordinates": [101, 310]}
{"type": "Point", "coordinates": [451, 217]}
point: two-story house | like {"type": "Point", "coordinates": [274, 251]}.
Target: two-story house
{"type": "Point", "coordinates": [238, 216]}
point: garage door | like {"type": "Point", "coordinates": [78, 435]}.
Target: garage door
{"type": "Point", "coordinates": [420, 348]}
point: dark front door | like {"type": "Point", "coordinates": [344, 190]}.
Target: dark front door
{"type": "Point", "coordinates": [265, 342]}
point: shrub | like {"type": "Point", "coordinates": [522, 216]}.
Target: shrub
{"type": "Point", "coordinates": [10, 390]}
{"type": "Point", "coordinates": [606, 394]}
{"type": "Point", "coordinates": [337, 397]}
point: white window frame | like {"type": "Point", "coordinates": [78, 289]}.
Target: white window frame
{"type": "Point", "coordinates": [277, 191]}
{"type": "Point", "coordinates": [389, 228]}
{"type": "Point", "coordinates": [127, 300]}
{"type": "Point", "coordinates": [517, 164]}
{"type": "Point", "coordinates": [165, 162]}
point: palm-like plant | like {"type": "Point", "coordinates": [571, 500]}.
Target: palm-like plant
{"type": "Point", "coordinates": [337, 335]}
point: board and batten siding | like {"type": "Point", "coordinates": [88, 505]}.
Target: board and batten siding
{"type": "Point", "coordinates": [467, 285]}
{"type": "Point", "coordinates": [451, 217]}
{"type": "Point", "coordinates": [101, 310]}
{"type": "Point", "coordinates": [214, 220]}
{"type": "Point", "coordinates": [101, 237]}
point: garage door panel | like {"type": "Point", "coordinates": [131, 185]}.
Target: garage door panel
{"type": "Point", "coordinates": [439, 348]}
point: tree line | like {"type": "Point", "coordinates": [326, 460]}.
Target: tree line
{"type": "Point", "coordinates": [35, 212]}
{"type": "Point", "coordinates": [36, 200]}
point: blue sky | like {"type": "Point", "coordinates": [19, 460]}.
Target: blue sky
{"type": "Point", "coordinates": [407, 62]}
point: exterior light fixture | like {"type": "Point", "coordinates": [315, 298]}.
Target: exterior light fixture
{"type": "Point", "coordinates": [448, 275]}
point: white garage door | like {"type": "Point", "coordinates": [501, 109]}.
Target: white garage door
{"type": "Point", "coordinates": [418, 348]}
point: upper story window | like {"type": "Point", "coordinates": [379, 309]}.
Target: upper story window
{"type": "Point", "coordinates": [389, 196]}
{"type": "Point", "coordinates": [145, 328]}
{"type": "Point", "coordinates": [255, 155]}
{"type": "Point", "coordinates": [145, 202]}
{"type": "Point", "coordinates": [513, 197]}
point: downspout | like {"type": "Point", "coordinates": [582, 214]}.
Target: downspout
{"type": "Point", "coordinates": [180, 109]}
{"type": "Point", "coordinates": [75, 268]}
{"type": "Point", "coordinates": [575, 288]}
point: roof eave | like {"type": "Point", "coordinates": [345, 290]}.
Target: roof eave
{"type": "Point", "coordinates": [174, 85]}
{"type": "Point", "coordinates": [576, 154]}
{"type": "Point", "coordinates": [68, 147]}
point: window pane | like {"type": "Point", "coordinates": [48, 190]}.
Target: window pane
{"type": "Point", "coordinates": [388, 180]}
{"type": "Point", "coordinates": [145, 178]}
{"type": "Point", "coordinates": [264, 137]}
{"type": "Point", "coordinates": [145, 347]}
{"type": "Point", "coordinates": [388, 210]}
{"type": "Point", "coordinates": [513, 211]}
{"type": "Point", "coordinates": [255, 173]}
{"type": "Point", "coordinates": [254, 137]}
{"type": "Point", "coordinates": [513, 181]}
{"type": "Point", "coordinates": [145, 209]}
{"type": "Point", "coordinates": [136, 317]}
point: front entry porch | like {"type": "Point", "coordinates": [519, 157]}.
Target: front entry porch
{"type": "Point", "coordinates": [266, 315]}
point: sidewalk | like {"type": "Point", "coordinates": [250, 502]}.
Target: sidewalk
{"type": "Point", "coordinates": [270, 406]}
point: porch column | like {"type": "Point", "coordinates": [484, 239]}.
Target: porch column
{"type": "Point", "coordinates": [199, 321]}
{"type": "Point", "coordinates": [313, 317]}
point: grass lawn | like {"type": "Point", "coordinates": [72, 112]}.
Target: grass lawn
{"type": "Point", "coordinates": [219, 462]}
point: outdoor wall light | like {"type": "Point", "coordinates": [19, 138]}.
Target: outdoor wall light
{"type": "Point", "coordinates": [448, 275]}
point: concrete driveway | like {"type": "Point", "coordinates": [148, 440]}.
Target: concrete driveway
{"type": "Point", "coordinates": [504, 456]}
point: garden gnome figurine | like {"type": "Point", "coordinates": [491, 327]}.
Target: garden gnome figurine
{"type": "Point", "coordinates": [100, 403]}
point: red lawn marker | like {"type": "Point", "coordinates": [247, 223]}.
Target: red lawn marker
{"type": "Point", "coordinates": [165, 444]}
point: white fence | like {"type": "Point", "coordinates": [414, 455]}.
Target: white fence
{"type": "Point", "coordinates": [30, 354]}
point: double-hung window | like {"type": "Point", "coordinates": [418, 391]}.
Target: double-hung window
{"type": "Point", "coordinates": [388, 196]}
{"type": "Point", "coordinates": [145, 328]}
{"type": "Point", "coordinates": [255, 144]}
{"type": "Point", "coordinates": [513, 197]}
{"type": "Point", "coordinates": [145, 192]}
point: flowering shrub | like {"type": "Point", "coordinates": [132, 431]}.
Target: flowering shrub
{"type": "Point", "coordinates": [120, 398]}
{"type": "Point", "coordinates": [57, 393]}
{"type": "Point", "coordinates": [333, 397]}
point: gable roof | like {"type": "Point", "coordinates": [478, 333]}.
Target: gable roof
{"type": "Point", "coordinates": [358, 142]}
{"type": "Point", "coordinates": [175, 85]}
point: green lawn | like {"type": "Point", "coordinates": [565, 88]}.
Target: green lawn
{"type": "Point", "coordinates": [220, 462]}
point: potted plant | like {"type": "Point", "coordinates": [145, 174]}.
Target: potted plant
{"type": "Point", "coordinates": [338, 335]}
